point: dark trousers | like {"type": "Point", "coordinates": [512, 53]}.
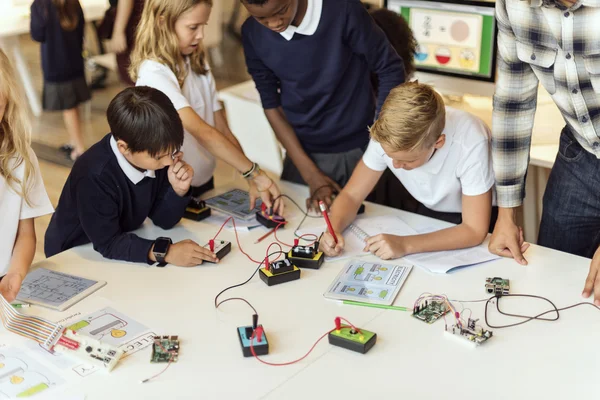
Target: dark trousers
{"type": "Point", "coordinates": [337, 166]}
{"type": "Point", "coordinates": [571, 213]}
{"type": "Point", "coordinates": [197, 191]}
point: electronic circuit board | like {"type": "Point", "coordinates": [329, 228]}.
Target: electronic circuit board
{"type": "Point", "coordinates": [475, 336]}
{"type": "Point", "coordinates": [497, 286]}
{"type": "Point", "coordinates": [430, 311]}
{"type": "Point", "coordinates": [165, 349]}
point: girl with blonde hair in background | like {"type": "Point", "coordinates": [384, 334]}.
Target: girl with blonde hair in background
{"type": "Point", "coordinates": [22, 193]}
{"type": "Point", "coordinates": [169, 56]}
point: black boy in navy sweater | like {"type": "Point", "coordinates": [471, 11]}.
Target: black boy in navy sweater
{"type": "Point", "coordinates": [133, 173]}
{"type": "Point", "coordinates": [311, 61]}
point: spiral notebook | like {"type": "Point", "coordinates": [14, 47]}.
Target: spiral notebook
{"type": "Point", "coordinates": [437, 262]}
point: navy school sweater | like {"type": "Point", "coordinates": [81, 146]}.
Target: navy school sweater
{"type": "Point", "coordinates": [101, 205]}
{"type": "Point", "coordinates": [322, 81]}
{"type": "Point", "coordinates": [62, 51]}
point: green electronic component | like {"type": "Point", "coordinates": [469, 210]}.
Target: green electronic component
{"type": "Point", "coordinates": [430, 311]}
{"type": "Point", "coordinates": [360, 341]}
{"type": "Point", "coordinates": [497, 286]}
{"type": "Point", "coordinates": [165, 349]}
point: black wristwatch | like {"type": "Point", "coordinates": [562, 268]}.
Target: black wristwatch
{"type": "Point", "coordinates": [161, 247]}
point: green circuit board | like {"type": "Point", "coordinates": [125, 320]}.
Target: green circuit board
{"type": "Point", "coordinates": [431, 312]}
{"type": "Point", "coordinates": [165, 349]}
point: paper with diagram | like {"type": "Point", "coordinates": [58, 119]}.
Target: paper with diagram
{"type": "Point", "coordinates": [107, 325]}
{"type": "Point", "coordinates": [368, 282]}
{"type": "Point", "coordinates": [56, 290]}
{"type": "Point", "coordinates": [22, 376]}
{"type": "Point", "coordinates": [438, 262]}
{"type": "Point", "coordinates": [110, 326]}
{"type": "Point", "coordinates": [361, 228]}
{"type": "Point", "coordinates": [236, 203]}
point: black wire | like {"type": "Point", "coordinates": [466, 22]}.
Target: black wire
{"type": "Point", "coordinates": [527, 318]}
{"type": "Point", "coordinates": [240, 299]}
{"type": "Point", "coordinates": [306, 215]}
{"type": "Point", "coordinates": [247, 280]}
{"type": "Point", "coordinates": [312, 196]}
{"type": "Point", "coordinates": [530, 318]}
{"type": "Point", "coordinates": [583, 303]}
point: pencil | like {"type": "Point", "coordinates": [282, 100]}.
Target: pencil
{"type": "Point", "coordinates": [265, 235]}
{"type": "Point", "coordinates": [358, 303]}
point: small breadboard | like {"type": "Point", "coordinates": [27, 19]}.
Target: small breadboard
{"type": "Point", "coordinates": [88, 349]}
{"type": "Point", "coordinates": [165, 349]}
{"type": "Point", "coordinates": [471, 334]}
{"type": "Point", "coordinates": [430, 311]}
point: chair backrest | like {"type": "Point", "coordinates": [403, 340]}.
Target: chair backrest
{"type": "Point", "coordinates": [250, 126]}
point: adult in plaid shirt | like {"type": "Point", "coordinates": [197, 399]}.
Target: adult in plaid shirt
{"type": "Point", "coordinates": [557, 43]}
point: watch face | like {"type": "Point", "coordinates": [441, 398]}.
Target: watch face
{"type": "Point", "coordinates": [161, 246]}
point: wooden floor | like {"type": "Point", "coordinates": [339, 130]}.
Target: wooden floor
{"type": "Point", "coordinates": [49, 129]}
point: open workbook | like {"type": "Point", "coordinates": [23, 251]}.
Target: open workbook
{"type": "Point", "coordinates": [439, 262]}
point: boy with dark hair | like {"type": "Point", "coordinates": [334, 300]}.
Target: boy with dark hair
{"type": "Point", "coordinates": [311, 62]}
{"type": "Point", "coordinates": [133, 173]}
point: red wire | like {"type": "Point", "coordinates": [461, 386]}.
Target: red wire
{"type": "Point", "coordinates": [276, 238]}
{"type": "Point", "coordinates": [301, 237]}
{"type": "Point", "coordinates": [310, 234]}
{"type": "Point", "coordinates": [237, 239]}
{"type": "Point", "coordinates": [269, 252]}
{"type": "Point", "coordinates": [167, 367]}
{"type": "Point", "coordinates": [287, 363]}
{"type": "Point", "coordinates": [301, 358]}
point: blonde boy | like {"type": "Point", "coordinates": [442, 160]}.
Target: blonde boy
{"type": "Point", "coordinates": [441, 155]}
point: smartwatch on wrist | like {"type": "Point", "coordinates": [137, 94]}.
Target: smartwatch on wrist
{"type": "Point", "coordinates": [161, 247]}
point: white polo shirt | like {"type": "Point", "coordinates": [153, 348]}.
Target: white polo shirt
{"type": "Point", "coordinates": [198, 92]}
{"type": "Point", "coordinates": [462, 166]}
{"type": "Point", "coordinates": [14, 208]}
{"type": "Point", "coordinates": [134, 174]}
{"type": "Point", "coordinates": [309, 23]}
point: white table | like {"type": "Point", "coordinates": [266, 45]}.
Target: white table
{"type": "Point", "coordinates": [14, 21]}
{"type": "Point", "coordinates": [411, 360]}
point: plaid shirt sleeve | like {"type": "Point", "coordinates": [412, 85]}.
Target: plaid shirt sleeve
{"type": "Point", "coordinates": [515, 102]}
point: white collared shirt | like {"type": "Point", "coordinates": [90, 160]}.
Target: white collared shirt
{"type": "Point", "coordinates": [462, 166]}
{"type": "Point", "coordinates": [134, 174]}
{"type": "Point", "coordinates": [13, 208]}
{"type": "Point", "coordinates": [198, 92]}
{"type": "Point", "coordinates": [309, 23]}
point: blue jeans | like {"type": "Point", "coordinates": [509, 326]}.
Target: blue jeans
{"type": "Point", "coordinates": [571, 213]}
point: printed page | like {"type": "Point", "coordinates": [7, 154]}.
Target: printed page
{"type": "Point", "coordinates": [371, 226]}
{"type": "Point", "coordinates": [369, 282]}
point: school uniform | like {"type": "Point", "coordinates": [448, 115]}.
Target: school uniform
{"type": "Point", "coordinates": [105, 198]}
{"type": "Point", "coordinates": [319, 73]}
{"type": "Point", "coordinates": [65, 86]}
{"type": "Point", "coordinates": [198, 92]}
{"type": "Point", "coordinates": [462, 166]}
{"type": "Point", "coordinates": [14, 208]}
